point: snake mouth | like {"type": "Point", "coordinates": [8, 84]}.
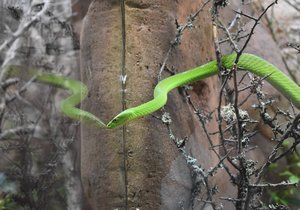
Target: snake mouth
{"type": "Point", "coordinates": [120, 119]}
{"type": "Point", "coordinates": [112, 123]}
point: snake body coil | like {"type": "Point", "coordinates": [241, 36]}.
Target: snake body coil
{"type": "Point", "coordinates": [252, 63]}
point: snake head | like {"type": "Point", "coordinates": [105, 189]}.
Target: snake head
{"type": "Point", "coordinates": [120, 119]}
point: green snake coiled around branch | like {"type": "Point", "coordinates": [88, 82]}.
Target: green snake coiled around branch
{"type": "Point", "coordinates": [252, 63]}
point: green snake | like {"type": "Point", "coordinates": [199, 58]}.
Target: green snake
{"type": "Point", "coordinates": [252, 63]}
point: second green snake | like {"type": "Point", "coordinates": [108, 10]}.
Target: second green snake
{"type": "Point", "coordinates": [252, 63]}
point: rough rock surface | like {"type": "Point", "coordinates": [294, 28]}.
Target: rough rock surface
{"type": "Point", "coordinates": [142, 148]}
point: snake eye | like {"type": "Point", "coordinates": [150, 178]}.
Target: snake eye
{"type": "Point", "coordinates": [114, 120]}
{"type": "Point", "coordinates": [113, 123]}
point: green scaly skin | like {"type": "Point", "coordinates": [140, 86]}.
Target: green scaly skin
{"type": "Point", "coordinates": [252, 63]}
